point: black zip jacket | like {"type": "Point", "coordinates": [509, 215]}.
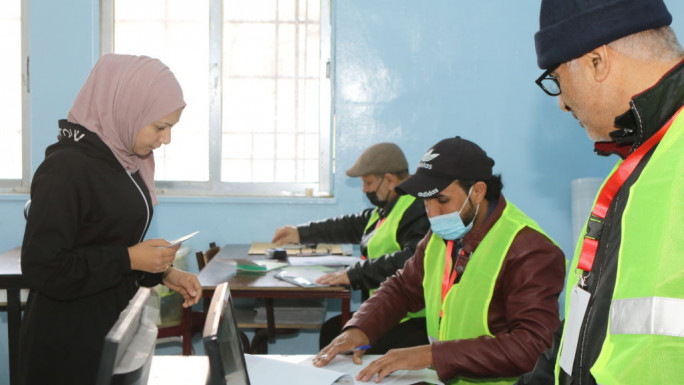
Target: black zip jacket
{"type": "Point", "coordinates": [648, 112]}
{"type": "Point", "coordinates": [369, 274]}
{"type": "Point", "coordinates": [86, 210]}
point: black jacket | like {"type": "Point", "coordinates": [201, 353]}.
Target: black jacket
{"type": "Point", "coordinates": [369, 274]}
{"type": "Point", "coordinates": [654, 107]}
{"type": "Point", "coordinates": [86, 210]}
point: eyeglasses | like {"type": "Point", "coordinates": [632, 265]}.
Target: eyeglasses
{"type": "Point", "coordinates": [549, 83]}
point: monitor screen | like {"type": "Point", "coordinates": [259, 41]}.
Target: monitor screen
{"type": "Point", "coordinates": [222, 343]}
{"type": "Point", "coordinates": [129, 345]}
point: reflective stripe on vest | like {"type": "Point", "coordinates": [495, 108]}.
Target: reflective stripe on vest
{"type": "Point", "coordinates": [645, 346]}
{"type": "Point", "coordinates": [384, 239]}
{"type": "Point", "coordinates": [648, 315]}
{"type": "Point", "coordinates": [466, 305]}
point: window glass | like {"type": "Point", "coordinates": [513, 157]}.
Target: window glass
{"type": "Point", "coordinates": [11, 90]}
{"type": "Point", "coordinates": [253, 75]}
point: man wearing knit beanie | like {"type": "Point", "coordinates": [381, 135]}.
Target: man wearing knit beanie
{"type": "Point", "coordinates": [617, 67]}
{"type": "Point", "coordinates": [387, 235]}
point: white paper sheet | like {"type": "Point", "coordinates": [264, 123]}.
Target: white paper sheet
{"type": "Point", "coordinates": [267, 371]}
{"type": "Point", "coordinates": [344, 364]}
{"type": "Point", "coordinates": [325, 260]}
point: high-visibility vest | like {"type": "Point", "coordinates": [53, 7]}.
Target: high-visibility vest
{"type": "Point", "coordinates": [384, 239]}
{"type": "Point", "coordinates": [644, 341]}
{"type": "Point", "coordinates": [466, 305]}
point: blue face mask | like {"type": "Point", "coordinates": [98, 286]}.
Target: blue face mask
{"type": "Point", "coordinates": [450, 226]}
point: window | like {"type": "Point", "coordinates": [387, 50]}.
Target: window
{"type": "Point", "coordinates": [13, 97]}
{"type": "Point", "coordinates": [254, 74]}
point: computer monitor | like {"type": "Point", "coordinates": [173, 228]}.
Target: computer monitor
{"type": "Point", "coordinates": [129, 345]}
{"type": "Point", "coordinates": [222, 343]}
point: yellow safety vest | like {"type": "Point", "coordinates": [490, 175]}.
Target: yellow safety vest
{"type": "Point", "coordinates": [466, 305]}
{"type": "Point", "coordinates": [644, 341]}
{"type": "Point", "coordinates": [384, 239]}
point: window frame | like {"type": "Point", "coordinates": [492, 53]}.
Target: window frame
{"type": "Point", "coordinates": [23, 185]}
{"type": "Point", "coordinates": [214, 186]}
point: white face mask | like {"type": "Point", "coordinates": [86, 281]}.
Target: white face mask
{"type": "Point", "coordinates": [450, 226]}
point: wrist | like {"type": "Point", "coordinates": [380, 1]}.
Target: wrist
{"type": "Point", "coordinates": [167, 272]}
{"type": "Point", "coordinates": [131, 260]}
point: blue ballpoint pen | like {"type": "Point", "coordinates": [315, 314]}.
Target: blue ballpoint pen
{"type": "Point", "coordinates": [352, 350]}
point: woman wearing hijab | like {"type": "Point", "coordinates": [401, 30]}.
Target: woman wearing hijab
{"type": "Point", "coordinates": [91, 204]}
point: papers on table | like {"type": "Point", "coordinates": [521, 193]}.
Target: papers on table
{"type": "Point", "coordinates": [263, 370]}
{"type": "Point", "coordinates": [340, 371]}
{"type": "Point", "coordinates": [324, 260]}
{"type": "Point", "coordinates": [281, 369]}
{"type": "Point", "coordinates": [344, 364]}
{"type": "Point", "coordinates": [259, 248]}
{"type": "Point", "coordinates": [301, 276]}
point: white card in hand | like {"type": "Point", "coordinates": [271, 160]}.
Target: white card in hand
{"type": "Point", "coordinates": [182, 239]}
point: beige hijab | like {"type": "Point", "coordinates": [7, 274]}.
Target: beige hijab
{"type": "Point", "coordinates": [123, 94]}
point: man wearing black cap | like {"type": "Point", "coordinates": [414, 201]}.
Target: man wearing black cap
{"type": "Point", "coordinates": [388, 235]}
{"type": "Point", "coordinates": [617, 67]}
{"type": "Point", "coordinates": [487, 276]}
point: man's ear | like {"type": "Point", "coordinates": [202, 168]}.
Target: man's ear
{"type": "Point", "coordinates": [478, 193]}
{"type": "Point", "coordinates": [599, 63]}
{"type": "Point", "coordinates": [392, 180]}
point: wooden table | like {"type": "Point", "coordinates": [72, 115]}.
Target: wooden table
{"type": "Point", "coordinates": [12, 281]}
{"type": "Point", "coordinates": [222, 268]}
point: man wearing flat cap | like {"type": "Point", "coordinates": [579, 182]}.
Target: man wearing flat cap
{"type": "Point", "coordinates": [486, 274]}
{"type": "Point", "coordinates": [617, 67]}
{"type": "Point", "coordinates": [387, 234]}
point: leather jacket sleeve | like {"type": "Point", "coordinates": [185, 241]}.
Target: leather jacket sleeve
{"type": "Point", "coordinates": [370, 273]}
{"type": "Point", "coordinates": [342, 229]}
{"type": "Point", "coordinates": [398, 295]}
{"type": "Point", "coordinates": [543, 370]}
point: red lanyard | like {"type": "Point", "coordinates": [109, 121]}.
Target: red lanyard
{"type": "Point", "coordinates": [450, 274]}
{"type": "Point", "coordinates": [610, 188]}
{"type": "Point", "coordinates": [380, 222]}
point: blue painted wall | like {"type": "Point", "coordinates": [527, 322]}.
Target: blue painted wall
{"type": "Point", "coordinates": [412, 72]}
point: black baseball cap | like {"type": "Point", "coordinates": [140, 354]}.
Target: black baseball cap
{"type": "Point", "coordinates": [447, 161]}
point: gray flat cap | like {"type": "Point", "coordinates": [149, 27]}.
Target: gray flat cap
{"type": "Point", "coordinates": [379, 158]}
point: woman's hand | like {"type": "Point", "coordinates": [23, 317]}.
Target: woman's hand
{"type": "Point", "coordinates": [185, 283]}
{"type": "Point", "coordinates": [152, 255]}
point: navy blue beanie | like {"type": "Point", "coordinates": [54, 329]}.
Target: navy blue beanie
{"type": "Point", "coordinates": [570, 28]}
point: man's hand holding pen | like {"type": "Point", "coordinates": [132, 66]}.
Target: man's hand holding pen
{"type": "Point", "coordinates": [352, 340]}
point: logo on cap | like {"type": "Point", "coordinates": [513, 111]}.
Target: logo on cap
{"type": "Point", "coordinates": [426, 158]}
{"type": "Point", "coordinates": [427, 194]}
